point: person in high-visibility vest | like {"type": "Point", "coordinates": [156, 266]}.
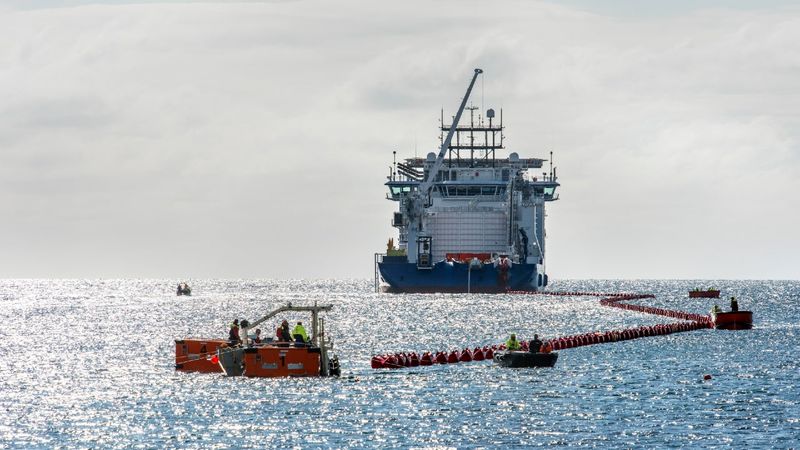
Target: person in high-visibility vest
{"type": "Point", "coordinates": [299, 333]}
{"type": "Point", "coordinates": [512, 343]}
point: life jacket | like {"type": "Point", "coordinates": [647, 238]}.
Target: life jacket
{"type": "Point", "coordinates": [299, 329]}
{"type": "Point", "coordinates": [512, 344]}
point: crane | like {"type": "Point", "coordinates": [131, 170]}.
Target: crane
{"type": "Point", "coordinates": [416, 200]}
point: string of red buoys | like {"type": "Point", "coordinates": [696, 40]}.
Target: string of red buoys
{"type": "Point", "coordinates": [695, 322]}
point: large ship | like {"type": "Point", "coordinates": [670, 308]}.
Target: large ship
{"type": "Point", "coordinates": [468, 220]}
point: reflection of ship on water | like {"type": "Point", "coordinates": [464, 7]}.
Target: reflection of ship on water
{"type": "Point", "coordinates": [467, 220]}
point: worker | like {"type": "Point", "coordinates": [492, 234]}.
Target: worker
{"type": "Point", "coordinates": [283, 333]}
{"type": "Point", "coordinates": [299, 334]}
{"type": "Point", "coordinates": [546, 348]}
{"type": "Point", "coordinates": [535, 345]}
{"type": "Point", "coordinates": [512, 343]}
{"type": "Point", "coordinates": [233, 334]}
{"type": "Point", "coordinates": [734, 305]}
{"type": "Point", "coordinates": [716, 310]}
{"type": "Point", "coordinates": [256, 338]}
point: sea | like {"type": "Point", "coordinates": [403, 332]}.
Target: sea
{"type": "Point", "coordinates": [91, 364]}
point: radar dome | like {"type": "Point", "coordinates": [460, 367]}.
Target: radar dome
{"type": "Point", "coordinates": [431, 156]}
{"type": "Point", "coordinates": [514, 157]}
{"type": "Point", "coordinates": [490, 113]}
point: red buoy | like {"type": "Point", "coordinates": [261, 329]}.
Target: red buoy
{"type": "Point", "coordinates": [452, 358]}
{"type": "Point", "coordinates": [426, 359]}
{"type": "Point", "coordinates": [465, 356]}
{"type": "Point", "coordinates": [477, 354]}
{"type": "Point", "coordinates": [378, 362]}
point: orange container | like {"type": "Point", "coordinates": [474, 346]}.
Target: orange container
{"type": "Point", "coordinates": [281, 361]}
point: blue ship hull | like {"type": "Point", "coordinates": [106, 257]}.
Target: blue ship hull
{"type": "Point", "coordinates": [445, 276]}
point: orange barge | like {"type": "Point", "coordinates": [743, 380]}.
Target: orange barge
{"type": "Point", "coordinates": [708, 293]}
{"type": "Point", "coordinates": [269, 359]}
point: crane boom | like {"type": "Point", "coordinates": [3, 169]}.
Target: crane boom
{"type": "Point", "coordinates": [415, 203]}
{"type": "Point", "coordinates": [434, 169]}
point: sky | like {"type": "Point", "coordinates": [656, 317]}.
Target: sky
{"type": "Point", "coordinates": [252, 139]}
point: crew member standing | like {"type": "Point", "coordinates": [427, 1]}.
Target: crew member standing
{"type": "Point", "coordinates": [535, 345]}
{"type": "Point", "coordinates": [299, 333]}
{"type": "Point", "coordinates": [233, 334]}
{"type": "Point", "coordinates": [512, 343]}
{"type": "Point", "coordinates": [734, 305]}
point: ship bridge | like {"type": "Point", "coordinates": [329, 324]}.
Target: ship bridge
{"type": "Point", "coordinates": [400, 188]}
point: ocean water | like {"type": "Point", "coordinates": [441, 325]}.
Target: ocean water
{"type": "Point", "coordinates": [90, 364]}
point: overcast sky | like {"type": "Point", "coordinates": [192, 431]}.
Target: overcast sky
{"type": "Point", "coordinates": [252, 139]}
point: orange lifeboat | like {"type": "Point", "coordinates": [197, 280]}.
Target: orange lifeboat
{"type": "Point", "coordinates": [195, 355]}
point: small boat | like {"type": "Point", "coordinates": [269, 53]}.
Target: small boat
{"type": "Point", "coordinates": [268, 359]}
{"type": "Point", "coordinates": [738, 320]}
{"type": "Point", "coordinates": [708, 293]}
{"type": "Point", "coordinates": [184, 289]}
{"type": "Point", "coordinates": [525, 359]}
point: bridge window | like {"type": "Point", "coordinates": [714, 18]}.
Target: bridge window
{"type": "Point", "coordinates": [398, 191]}
{"type": "Point", "coordinates": [472, 191]}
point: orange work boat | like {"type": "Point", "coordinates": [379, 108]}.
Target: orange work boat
{"type": "Point", "coordinates": [268, 359]}
{"type": "Point", "coordinates": [735, 320]}
{"type": "Point", "coordinates": [708, 293]}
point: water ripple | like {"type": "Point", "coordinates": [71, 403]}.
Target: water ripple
{"type": "Point", "coordinates": [97, 370]}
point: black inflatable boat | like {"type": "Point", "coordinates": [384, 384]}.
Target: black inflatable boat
{"type": "Point", "coordinates": [525, 359]}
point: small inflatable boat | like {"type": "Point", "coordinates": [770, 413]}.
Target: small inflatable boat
{"type": "Point", "coordinates": [525, 359]}
{"type": "Point", "coordinates": [184, 289]}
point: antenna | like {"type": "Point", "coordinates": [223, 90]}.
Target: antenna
{"type": "Point", "coordinates": [551, 166]}
{"type": "Point", "coordinates": [394, 164]}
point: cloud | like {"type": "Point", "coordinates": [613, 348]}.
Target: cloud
{"type": "Point", "coordinates": [252, 139]}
